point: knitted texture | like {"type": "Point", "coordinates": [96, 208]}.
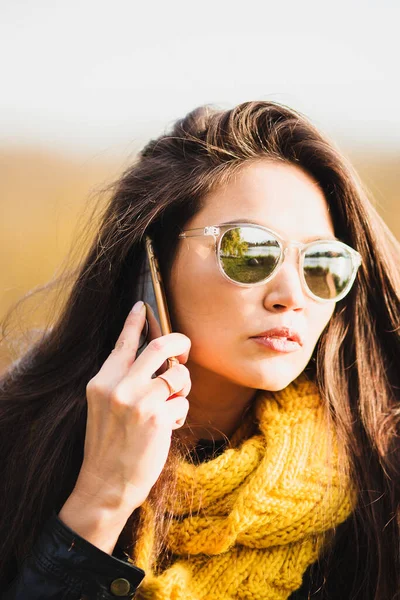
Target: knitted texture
{"type": "Point", "coordinates": [249, 522]}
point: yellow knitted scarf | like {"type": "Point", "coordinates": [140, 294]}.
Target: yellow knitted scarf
{"type": "Point", "coordinates": [249, 522]}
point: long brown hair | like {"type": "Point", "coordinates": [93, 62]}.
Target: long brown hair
{"type": "Point", "coordinates": [43, 394]}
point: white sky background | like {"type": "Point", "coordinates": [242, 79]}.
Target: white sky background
{"type": "Point", "coordinates": [95, 76]}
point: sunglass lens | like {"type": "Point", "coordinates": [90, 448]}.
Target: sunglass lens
{"type": "Point", "coordinates": [328, 269]}
{"type": "Point", "coordinates": [249, 254]}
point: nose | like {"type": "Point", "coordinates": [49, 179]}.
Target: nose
{"type": "Point", "coordinates": [285, 291]}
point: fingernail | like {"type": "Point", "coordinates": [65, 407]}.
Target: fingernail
{"type": "Point", "coordinates": [138, 307]}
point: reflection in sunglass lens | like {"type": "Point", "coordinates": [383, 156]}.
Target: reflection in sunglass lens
{"type": "Point", "coordinates": [249, 254]}
{"type": "Point", "coordinates": [328, 269]}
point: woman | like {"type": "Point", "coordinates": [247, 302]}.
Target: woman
{"type": "Point", "coordinates": [284, 480]}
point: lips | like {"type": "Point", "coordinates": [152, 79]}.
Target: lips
{"type": "Point", "coordinates": [285, 333]}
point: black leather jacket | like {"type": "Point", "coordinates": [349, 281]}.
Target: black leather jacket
{"type": "Point", "coordinates": [64, 566]}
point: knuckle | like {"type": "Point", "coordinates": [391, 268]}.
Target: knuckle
{"type": "Point", "coordinates": [123, 344]}
{"type": "Point", "coordinates": [161, 343]}
{"type": "Point", "coordinates": [140, 410]}
{"type": "Point", "coordinates": [117, 397]}
{"type": "Point", "coordinates": [95, 387]}
{"type": "Point", "coordinates": [137, 411]}
{"type": "Point", "coordinates": [119, 345]}
{"type": "Point", "coordinates": [156, 420]}
{"type": "Point", "coordinates": [181, 368]}
{"type": "Point", "coordinates": [181, 338]}
{"type": "Point", "coordinates": [157, 344]}
{"type": "Point", "coordinates": [184, 404]}
{"type": "Point", "coordinates": [184, 372]}
{"type": "Point", "coordinates": [186, 338]}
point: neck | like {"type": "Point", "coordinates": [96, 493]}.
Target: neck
{"type": "Point", "coordinates": [216, 405]}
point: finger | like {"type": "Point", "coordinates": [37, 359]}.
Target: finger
{"type": "Point", "coordinates": [124, 352]}
{"type": "Point", "coordinates": [155, 332]}
{"type": "Point", "coordinates": [177, 410]}
{"type": "Point", "coordinates": [176, 381]}
{"type": "Point", "coordinates": [152, 358]}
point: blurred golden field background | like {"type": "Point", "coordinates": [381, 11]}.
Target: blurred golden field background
{"type": "Point", "coordinates": [84, 86]}
{"type": "Point", "coordinates": [44, 195]}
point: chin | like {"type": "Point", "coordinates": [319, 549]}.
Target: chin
{"type": "Point", "coordinates": [277, 379]}
{"type": "Point", "coordinates": [277, 384]}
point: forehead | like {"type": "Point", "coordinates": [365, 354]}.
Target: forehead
{"type": "Point", "coordinates": [278, 195]}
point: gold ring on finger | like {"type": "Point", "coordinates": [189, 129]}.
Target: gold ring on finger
{"type": "Point", "coordinates": [171, 391]}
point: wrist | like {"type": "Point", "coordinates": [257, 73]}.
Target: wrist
{"type": "Point", "coordinates": [115, 498]}
{"type": "Point", "coordinates": [99, 525]}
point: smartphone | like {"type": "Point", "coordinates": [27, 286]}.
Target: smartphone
{"type": "Point", "coordinates": [154, 294]}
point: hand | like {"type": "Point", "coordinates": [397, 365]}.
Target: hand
{"type": "Point", "coordinates": [131, 417]}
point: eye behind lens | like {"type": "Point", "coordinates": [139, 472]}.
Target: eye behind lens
{"type": "Point", "coordinates": [248, 254]}
{"type": "Point", "coordinates": [328, 269]}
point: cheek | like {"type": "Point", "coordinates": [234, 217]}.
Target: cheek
{"type": "Point", "coordinates": [196, 293]}
{"type": "Point", "coordinates": [319, 320]}
{"type": "Point", "coordinates": [206, 319]}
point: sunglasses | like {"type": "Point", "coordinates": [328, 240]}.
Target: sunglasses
{"type": "Point", "coordinates": [249, 254]}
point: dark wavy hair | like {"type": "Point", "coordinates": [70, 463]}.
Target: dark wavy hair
{"type": "Point", "coordinates": [43, 406]}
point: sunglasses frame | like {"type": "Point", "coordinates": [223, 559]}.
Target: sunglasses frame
{"type": "Point", "coordinates": [217, 231]}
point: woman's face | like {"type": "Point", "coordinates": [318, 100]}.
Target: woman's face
{"type": "Point", "coordinates": [220, 317]}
